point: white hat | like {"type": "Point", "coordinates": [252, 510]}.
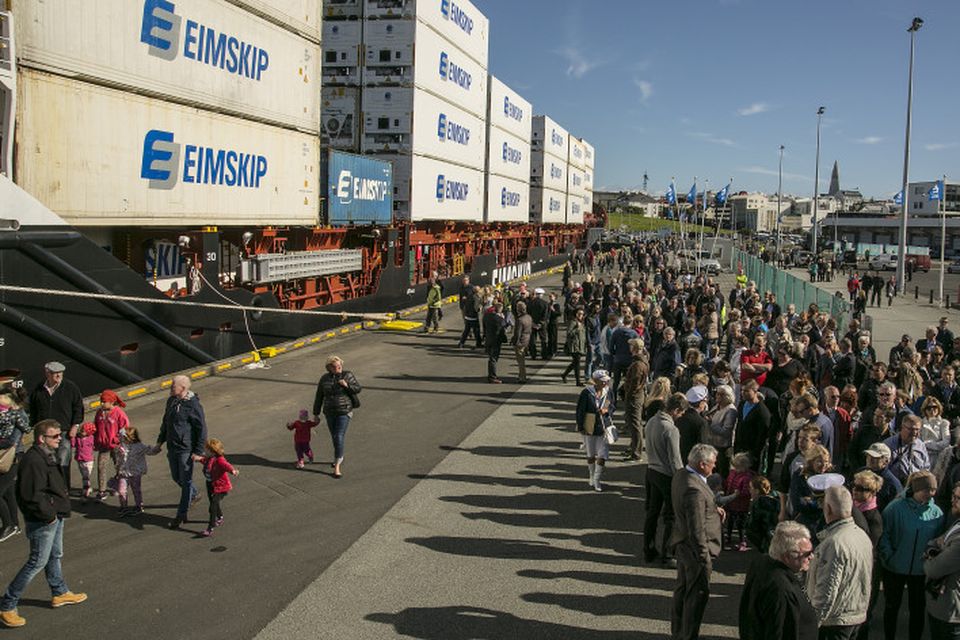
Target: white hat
{"type": "Point", "coordinates": [539, 291]}
{"type": "Point", "coordinates": [55, 367]}
{"type": "Point", "coordinates": [697, 394]}
{"type": "Point", "coordinates": [601, 374]}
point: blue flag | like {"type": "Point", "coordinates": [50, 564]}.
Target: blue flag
{"type": "Point", "coordinates": [671, 195]}
{"type": "Point", "coordinates": [721, 197]}
{"type": "Point", "coordinates": [936, 191]}
{"type": "Point", "coordinates": [898, 199]}
{"type": "Point", "coordinates": [692, 195]}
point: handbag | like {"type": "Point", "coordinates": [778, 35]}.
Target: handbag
{"type": "Point", "coordinates": [7, 456]}
{"type": "Point", "coordinates": [611, 433]}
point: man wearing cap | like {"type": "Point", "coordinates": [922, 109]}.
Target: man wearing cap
{"type": "Point", "coordinates": [58, 399]}
{"type": "Point", "coordinates": [691, 424]}
{"type": "Point", "coordinates": [878, 461]}
{"type": "Point", "coordinates": [538, 309]}
{"type": "Point", "coordinates": [908, 453]}
{"type": "Point", "coordinates": [839, 577]}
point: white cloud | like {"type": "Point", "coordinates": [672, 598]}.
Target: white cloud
{"type": "Point", "coordinates": [764, 171]}
{"type": "Point", "coordinates": [579, 64]}
{"type": "Point", "coordinates": [939, 146]}
{"type": "Point", "coordinates": [869, 140]}
{"type": "Point", "coordinates": [712, 139]}
{"type": "Point", "coordinates": [646, 89]}
{"type": "Point", "coordinates": [754, 109]}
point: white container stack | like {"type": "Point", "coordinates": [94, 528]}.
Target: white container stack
{"type": "Point", "coordinates": [588, 175]}
{"type": "Point", "coordinates": [204, 112]}
{"type": "Point", "coordinates": [576, 180]}
{"type": "Point", "coordinates": [549, 171]}
{"type": "Point", "coordinates": [341, 52]}
{"type": "Point", "coordinates": [509, 122]}
{"type": "Point", "coordinates": [424, 103]}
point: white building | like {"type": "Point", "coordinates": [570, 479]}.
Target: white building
{"type": "Point", "coordinates": [921, 205]}
{"type": "Point", "coordinates": [755, 211]}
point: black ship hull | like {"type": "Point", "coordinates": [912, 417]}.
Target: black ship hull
{"type": "Point", "coordinates": [111, 343]}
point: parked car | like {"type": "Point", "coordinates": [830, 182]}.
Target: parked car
{"type": "Point", "coordinates": [884, 262]}
{"type": "Point", "coordinates": [954, 267]}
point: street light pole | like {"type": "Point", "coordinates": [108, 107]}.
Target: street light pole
{"type": "Point", "coordinates": [779, 207]}
{"type": "Point", "coordinates": [902, 252]}
{"type": "Point", "coordinates": [816, 184]}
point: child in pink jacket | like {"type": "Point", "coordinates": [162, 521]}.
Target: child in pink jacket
{"type": "Point", "coordinates": [738, 493]}
{"type": "Point", "coordinates": [111, 419]}
{"type": "Point", "coordinates": [82, 444]}
{"type": "Point", "coordinates": [217, 471]}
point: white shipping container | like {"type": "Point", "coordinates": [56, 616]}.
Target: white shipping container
{"type": "Point", "coordinates": [588, 154]}
{"type": "Point", "coordinates": [438, 66]}
{"type": "Point", "coordinates": [341, 52]}
{"type": "Point", "coordinates": [340, 120]}
{"type": "Point", "coordinates": [207, 52]}
{"type": "Point", "coordinates": [508, 155]}
{"type": "Point", "coordinates": [574, 209]}
{"type": "Point", "coordinates": [387, 118]}
{"type": "Point", "coordinates": [575, 181]}
{"type": "Point", "coordinates": [548, 171]}
{"type": "Point", "coordinates": [439, 129]}
{"type": "Point", "coordinates": [301, 16]}
{"type": "Point", "coordinates": [401, 178]}
{"type": "Point", "coordinates": [588, 202]}
{"type": "Point", "coordinates": [550, 137]}
{"type": "Point", "coordinates": [509, 111]}
{"type": "Point", "coordinates": [102, 157]}
{"type": "Point", "coordinates": [577, 154]}
{"type": "Point", "coordinates": [459, 21]}
{"type": "Point", "coordinates": [442, 191]}
{"type": "Point", "coordinates": [342, 9]}
{"type": "Point", "coordinates": [547, 206]}
{"type": "Point", "coordinates": [507, 200]}
{"type": "Point", "coordinates": [588, 180]}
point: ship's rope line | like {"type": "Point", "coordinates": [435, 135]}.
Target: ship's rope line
{"type": "Point", "coordinates": [246, 321]}
{"type": "Point", "coordinates": [179, 301]}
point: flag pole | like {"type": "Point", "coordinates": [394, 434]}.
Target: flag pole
{"type": "Point", "coordinates": [941, 205]}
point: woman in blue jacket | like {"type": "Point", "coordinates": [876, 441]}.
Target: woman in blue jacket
{"type": "Point", "coordinates": [909, 523]}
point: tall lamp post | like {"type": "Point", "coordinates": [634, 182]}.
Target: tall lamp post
{"type": "Point", "coordinates": [816, 184]}
{"type": "Point", "coordinates": [779, 209]}
{"type": "Point", "coordinates": [902, 252]}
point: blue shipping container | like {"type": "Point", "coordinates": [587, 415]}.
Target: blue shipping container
{"type": "Point", "coordinates": [359, 190]}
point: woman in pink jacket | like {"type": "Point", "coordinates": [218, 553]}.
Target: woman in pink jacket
{"type": "Point", "coordinates": [110, 420]}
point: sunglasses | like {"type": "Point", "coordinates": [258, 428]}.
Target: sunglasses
{"type": "Point", "coordinates": [860, 487]}
{"type": "Point", "coordinates": [803, 555]}
{"type": "Point", "coordinates": [55, 436]}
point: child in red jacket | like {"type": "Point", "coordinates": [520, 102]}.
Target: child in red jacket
{"type": "Point", "coordinates": [301, 436]}
{"type": "Point", "coordinates": [737, 498]}
{"type": "Point", "coordinates": [111, 419]}
{"type": "Point", "coordinates": [217, 471]}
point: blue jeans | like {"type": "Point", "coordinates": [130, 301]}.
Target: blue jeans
{"type": "Point", "coordinates": [181, 470]}
{"type": "Point", "coordinates": [338, 431]}
{"type": "Point", "coordinates": [46, 549]}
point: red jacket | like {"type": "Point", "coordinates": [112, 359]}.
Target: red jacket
{"type": "Point", "coordinates": [301, 429]}
{"type": "Point", "coordinates": [217, 471]}
{"type": "Point", "coordinates": [107, 437]}
{"type": "Point", "coordinates": [754, 358]}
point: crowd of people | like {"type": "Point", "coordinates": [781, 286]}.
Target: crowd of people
{"type": "Point", "coordinates": [763, 427]}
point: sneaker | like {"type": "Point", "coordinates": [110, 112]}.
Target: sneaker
{"type": "Point", "coordinates": [12, 618]}
{"type": "Point", "coordinates": [8, 533]}
{"type": "Point", "coordinates": [300, 464]}
{"type": "Point", "coordinates": [206, 533]}
{"type": "Point", "coordinates": [219, 521]}
{"type": "Point", "coordinates": [67, 598]}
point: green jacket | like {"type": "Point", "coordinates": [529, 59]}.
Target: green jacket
{"type": "Point", "coordinates": [576, 338]}
{"type": "Point", "coordinates": [433, 297]}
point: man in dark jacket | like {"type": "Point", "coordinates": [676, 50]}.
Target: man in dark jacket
{"type": "Point", "coordinates": [753, 424]}
{"type": "Point", "coordinates": [539, 310]}
{"type": "Point", "coordinates": [43, 499]}
{"type": "Point", "coordinates": [470, 305]}
{"type": "Point", "coordinates": [667, 357]}
{"type": "Point", "coordinates": [494, 335]}
{"type": "Point", "coordinates": [184, 431]}
{"type": "Point", "coordinates": [773, 605]}
{"type": "Point", "coordinates": [60, 400]}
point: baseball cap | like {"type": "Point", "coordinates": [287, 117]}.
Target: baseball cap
{"type": "Point", "coordinates": [55, 367]}
{"type": "Point", "coordinates": [696, 394]}
{"type": "Point", "coordinates": [878, 450]}
{"type": "Point", "coordinates": [539, 291]}
{"type": "Point", "coordinates": [905, 336]}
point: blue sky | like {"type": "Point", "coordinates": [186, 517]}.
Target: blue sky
{"type": "Point", "coordinates": [711, 88]}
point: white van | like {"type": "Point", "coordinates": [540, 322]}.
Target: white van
{"type": "Point", "coordinates": [884, 262]}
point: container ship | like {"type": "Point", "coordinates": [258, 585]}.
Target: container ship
{"type": "Point", "coordinates": [181, 182]}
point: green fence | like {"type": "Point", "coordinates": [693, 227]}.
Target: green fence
{"type": "Point", "coordinates": [790, 289]}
